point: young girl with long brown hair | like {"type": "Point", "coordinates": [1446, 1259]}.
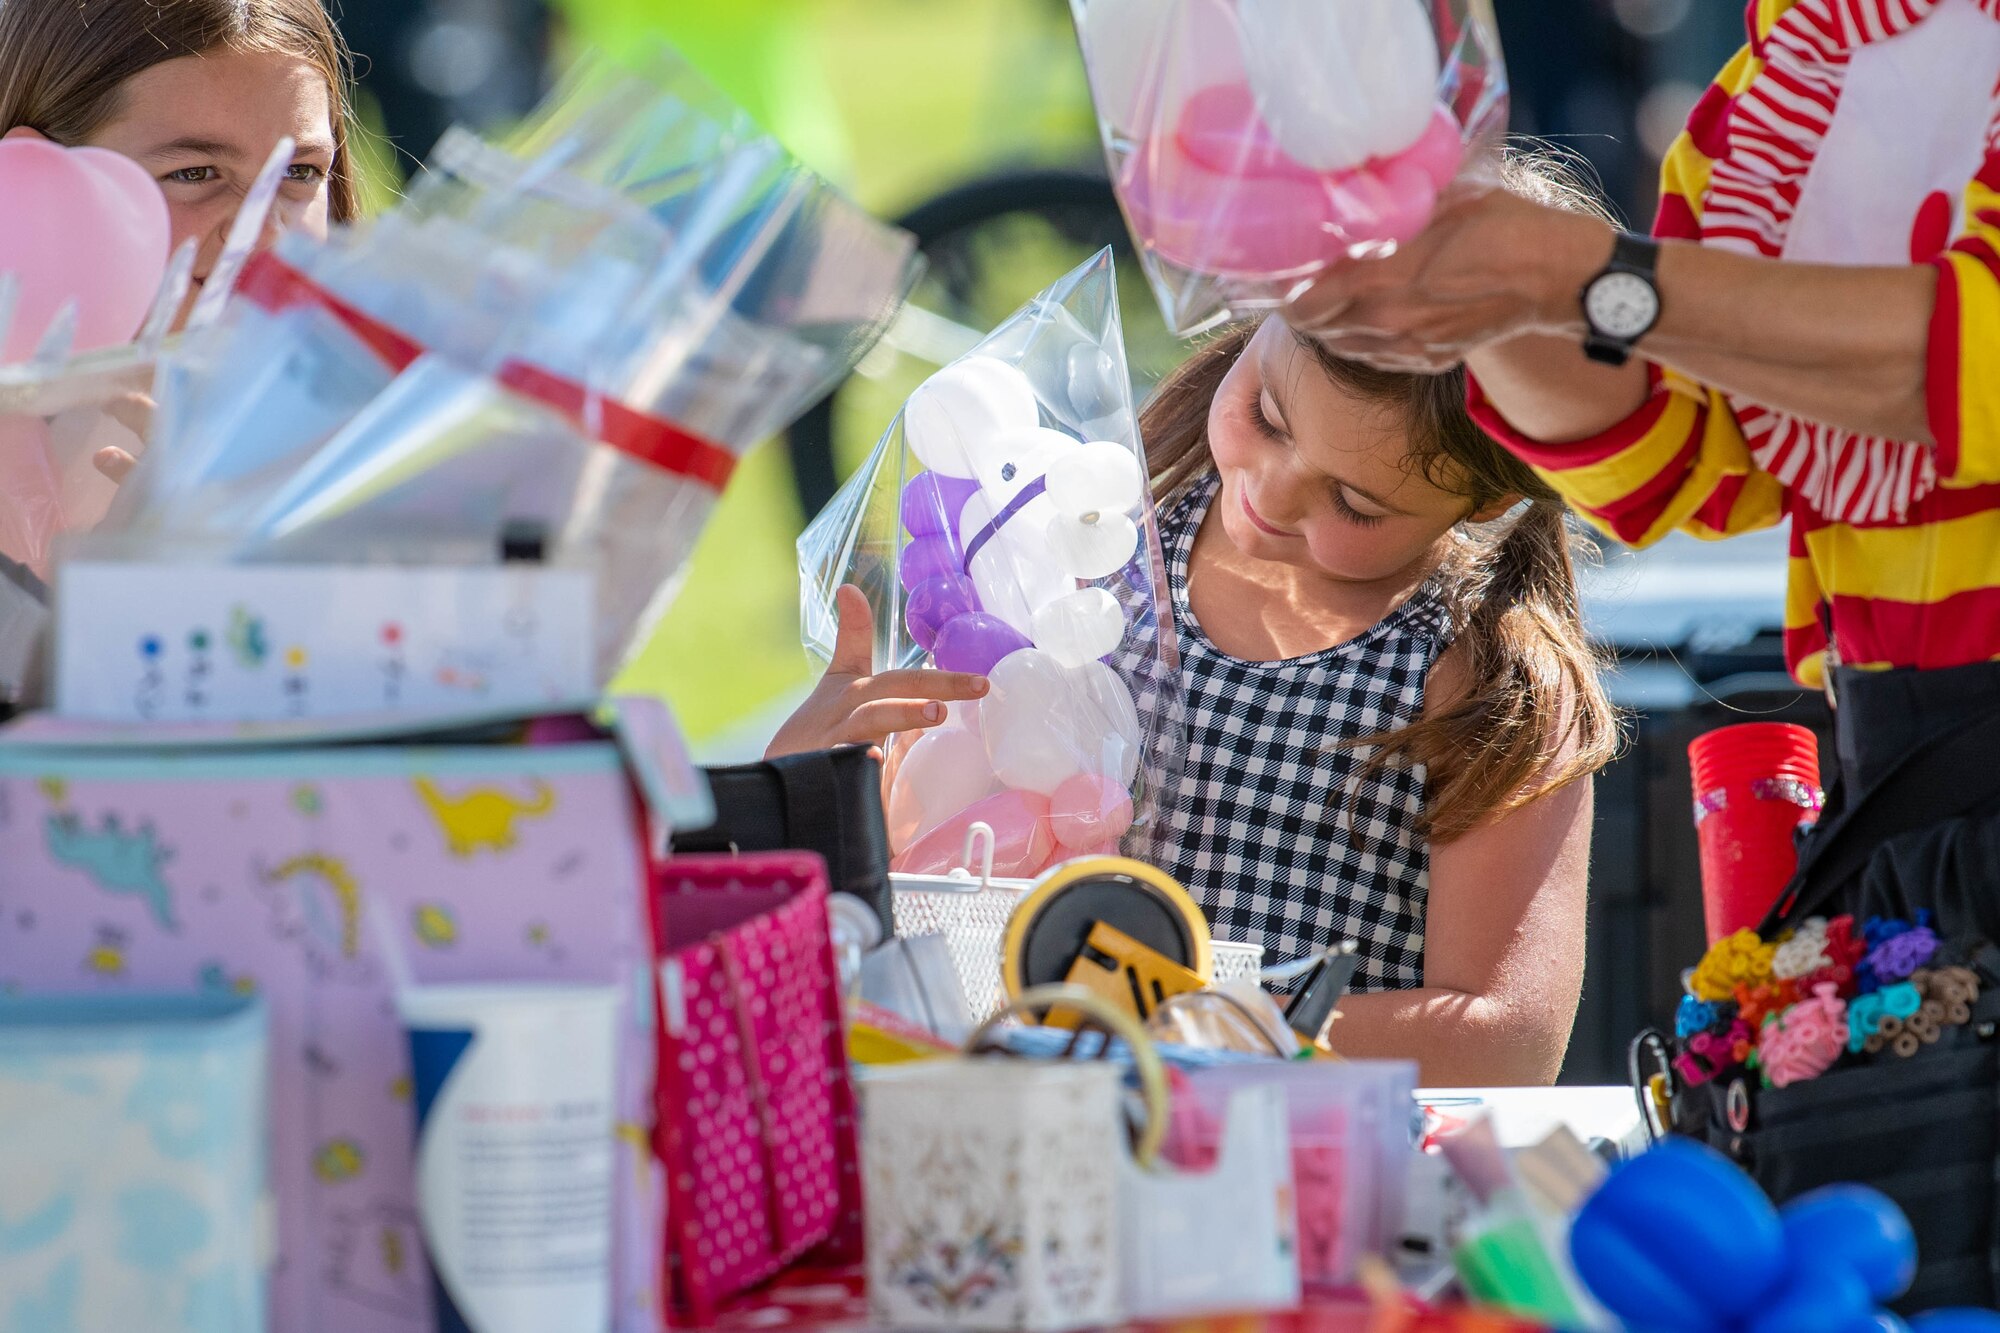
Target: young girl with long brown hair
{"type": "Point", "coordinates": [196, 91]}
{"type": "Point", "coordinates": [1393, 710]}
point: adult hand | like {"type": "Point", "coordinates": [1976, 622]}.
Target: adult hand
{"type": "Point", "coordinates": [853, 706]}
{"type": "Point", "coordinates": [1489, 268]}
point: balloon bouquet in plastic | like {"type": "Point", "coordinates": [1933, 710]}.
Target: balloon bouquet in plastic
{"type": "Point", "coordinates": [1252, 142]}
{"type": "Point", "coordinates": [1003, 526]}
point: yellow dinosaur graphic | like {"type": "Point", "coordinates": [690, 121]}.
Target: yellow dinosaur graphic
{"type": "Point", "coordinates": [346, 893]}
{"type": "Point", "coordinates": [483, 816]}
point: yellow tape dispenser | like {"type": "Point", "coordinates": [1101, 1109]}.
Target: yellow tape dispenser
{"type": "Point", "coordinates": [1117, 927]}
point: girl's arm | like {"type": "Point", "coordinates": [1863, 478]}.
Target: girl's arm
{"type": "Point", "coordinates": [1503, 950]}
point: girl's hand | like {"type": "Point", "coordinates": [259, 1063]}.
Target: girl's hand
{"type": "Point", "coordinates": [133, 411]}
{"type": "Point", "coordinates": [851, 706]}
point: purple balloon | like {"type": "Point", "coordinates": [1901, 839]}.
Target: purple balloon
{"type": "Point", "coordinates": [975, 642]}
{"type": "Point", "coordinates": [928, 558]}
{"type": "Point", "coordinates": [935, 601]}
{"type": "Point", "coordinates": [931, 503]}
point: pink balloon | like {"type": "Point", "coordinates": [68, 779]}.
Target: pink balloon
{"type": "Point", "coordinates": [1021, 838]}
{"type": "Point", "coordinates": [1219, 196]}
{"type": "Point", "coordinates": [82, 224]}
{"type": "Point", "coordinates": [1064, 855]}
{"type": "Point", "coordinates": [1439, 152]}
{"type": "Point", "coordinates": [1220, 131]}
{"type": "Point", "coordinates": [1089, 810]}
{"type": "Point", "coordinates": [1383, 202]}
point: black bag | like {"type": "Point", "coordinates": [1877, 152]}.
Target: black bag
{"type": "Point", "coordinates": [827, 801]}
{"type": "Point", "coordinates": [1925, 1130]}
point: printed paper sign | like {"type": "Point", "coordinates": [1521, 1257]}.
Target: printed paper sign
{"type": "Point", "coordinates": [263, 643]}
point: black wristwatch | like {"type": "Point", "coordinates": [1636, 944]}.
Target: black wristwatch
{"type": "Point", "coordinates": [1622, 303]}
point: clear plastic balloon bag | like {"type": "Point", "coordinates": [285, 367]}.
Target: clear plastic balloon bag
{"type": "Point", "coordinates": [1004, 526]}
{"type": "Point", "coordinates": [570, 349]}
{"type": "Point", "coordinates": [1254, 142]}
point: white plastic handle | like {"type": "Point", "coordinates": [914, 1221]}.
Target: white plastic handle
{"type": "Point", "coordinates": [979, 830]}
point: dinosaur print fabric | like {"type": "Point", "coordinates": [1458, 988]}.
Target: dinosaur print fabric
{"type": "Point", "coordinates": [262, 872]}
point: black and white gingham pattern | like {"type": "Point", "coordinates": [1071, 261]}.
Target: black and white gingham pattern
{"type": "Point", "coordinates": [1270, 828]}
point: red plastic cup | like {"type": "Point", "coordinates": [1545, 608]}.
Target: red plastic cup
{"type": "Point", "coordinates": [1754, 784]}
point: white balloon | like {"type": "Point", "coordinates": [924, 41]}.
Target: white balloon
{"type": "Point", "coordinates": [1045, 722]}
{"type": "Point", "coordinates": [964, 716]}
{"type": "Point", "coordinates": [1031, 722]}
{"type": "Point", "coordinates": [945, 771]}
{"type": "Point", "coordinates": [1147, 57]}
{"type": "Point", "coordinates": [1012, 571]}
{"type": "Point", "coordinates": [1080, 627]}
{"type": "Point", "coordinates": [1341, 82]}
{"type": "Point", "coordinates": [1100, 477]}
{"type": "Point", "coordinates": [964, 403]}
{"type": "Point", "coordinates": [1091, 548]}
{"type": "Point", "coordinates": [1007, 463]}
{"type": "Point", "coordinates": [1096, 382]}
{"type": "Point", "coordinates": [1117, 718]}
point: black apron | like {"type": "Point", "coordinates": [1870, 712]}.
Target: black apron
{"type": "Point", "coordinates": [1912, 819]}
{"type": "Point", "coordinates": [1911, 823]}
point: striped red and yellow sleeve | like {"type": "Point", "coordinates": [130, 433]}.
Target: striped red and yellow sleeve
{"type": "Point", "coordinates": [1679, 462]}
{"type": "Point", "coordinates": [1962, 372]}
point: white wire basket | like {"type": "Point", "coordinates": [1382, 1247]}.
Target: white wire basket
{"type": "Point", "coordinates": [972, 916]}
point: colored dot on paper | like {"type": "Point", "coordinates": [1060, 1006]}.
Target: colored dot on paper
{"type": "Point", "coordinates": [392, 633]}
{"type": "Point", "coordinates": [295, 658]}
{"type": "Point", "coordinates": [150, 645]}
{"type": "Point", "coordinates": [199, 640]}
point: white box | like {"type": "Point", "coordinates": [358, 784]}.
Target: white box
{"type": "Point", "coordinates": [195, 643]}
{"type": "Point", "coordinates": [991, 1188]}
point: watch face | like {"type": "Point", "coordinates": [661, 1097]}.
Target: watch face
{"type": "Point", "coordinates": [1621, 305]}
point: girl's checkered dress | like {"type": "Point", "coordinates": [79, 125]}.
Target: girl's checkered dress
{"type": "Point", "coordinates": [1270, 828]}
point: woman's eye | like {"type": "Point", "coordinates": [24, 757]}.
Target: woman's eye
{"type": "Point", "coordinates": [305, 173]}
{"type": "Point", "coordinates": [193, 175]}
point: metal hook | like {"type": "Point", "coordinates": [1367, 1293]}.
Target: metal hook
{"type": "Point", "coordinates": [1650, 1043]}
{"type": "Point", "coordinates": [972, 836]}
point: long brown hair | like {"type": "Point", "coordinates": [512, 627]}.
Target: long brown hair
{"type": "Point", "coordinates": [63, 62]}
{"type": "Point", "coordinates": [1534, 716]}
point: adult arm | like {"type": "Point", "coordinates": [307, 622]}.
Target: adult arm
{"type": "Point", "coordinates": [1503, 950]}
{"type": "Point", "coordinates": [1496, 281]}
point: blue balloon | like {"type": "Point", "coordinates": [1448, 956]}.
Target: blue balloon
{"type": "Point", "coordinates": [1816, 1299]}
{"type": "Point", "coordinates": [1857, 1228]}
{"type": "Point", "coordinates": [1965, 1320]}
{"type": "Point", "coordinates": [1679, 1238]}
